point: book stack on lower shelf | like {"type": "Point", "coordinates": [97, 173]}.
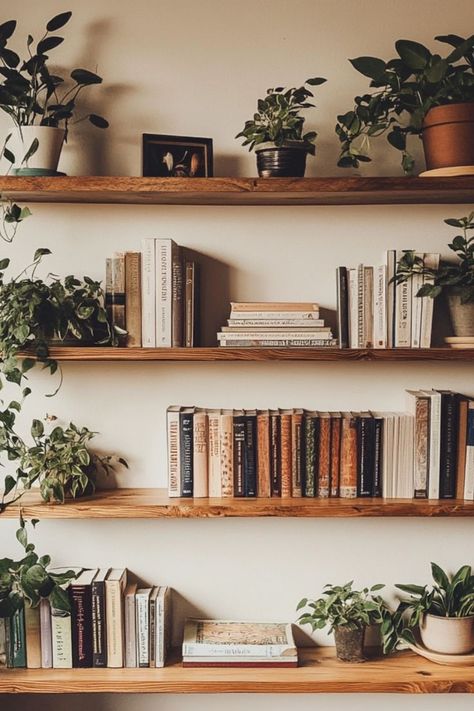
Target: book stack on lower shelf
{"type": "Point", "coordinates": [425, 452]}
{"type": "Point", "coordinates": [110, 623]}
{"type": "Point", "coordinates": [275, 324]}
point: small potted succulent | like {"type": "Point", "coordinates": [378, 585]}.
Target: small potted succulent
{"type": "Point", "coordinates": [348, 613]}
{"type": "Point", "coordinates": [276, 131]}
{"type": "Point", "coordinates": [39, 102]}
{"type": "Point", "coordinates": [454, 278]}
{"type": "Point", "coordinates": [416, 93]}
{"type": "Point", "coordinates": [443, 613]}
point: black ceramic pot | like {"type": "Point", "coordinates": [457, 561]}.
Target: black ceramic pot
{"type": "Point", "coordinates": [281, 162]}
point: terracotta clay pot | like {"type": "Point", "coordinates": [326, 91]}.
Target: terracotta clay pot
{"type": "Point", "coordinates": [448, 136]}
{"type": "Point", "coordinates": [350, 644]}
{"type": "Point", "coordinates": [448, 635]}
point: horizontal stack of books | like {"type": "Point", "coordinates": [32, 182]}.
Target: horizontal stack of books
{"type": "Point", "coordinates": [374, 312]}
{"type": "Point", "coordinates": [111, 623]}
{"type": "Point", "coordinates": [427, 451]}
{"type": "Point", "coordinates": [275, 325]}
{"type": "Point", "coordinates": [153, 295]}
{"type": "Point", "coordinates": [224, 643]}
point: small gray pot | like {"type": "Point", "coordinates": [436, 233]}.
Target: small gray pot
{"type": "Point", "coordinates": [462, 315]}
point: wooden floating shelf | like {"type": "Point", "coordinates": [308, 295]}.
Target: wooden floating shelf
{"type": "Point", "coordinates": [98, 353]}
{"type": "Point", "coordinates": [240, 191]}
{"type": "Point", "coordinates": [319, 672]}
{"type": "Point", "coordinates": [155, 503]}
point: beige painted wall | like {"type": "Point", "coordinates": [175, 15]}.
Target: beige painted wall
{"type": "Point", "coordinates": [197, 68]}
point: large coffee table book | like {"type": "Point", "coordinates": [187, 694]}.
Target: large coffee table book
{"type": "Point", "coordinates": [226, 643]}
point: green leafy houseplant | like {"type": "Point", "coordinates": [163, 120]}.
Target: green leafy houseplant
{"type": "Point", "coordinates": [28, 580]}
{"type": "Point", "coordinates": [405, 89]}
{"type": "Point", "coordinates": [60, 461]}
{"type": "Point", "coordinates": [347, 613]}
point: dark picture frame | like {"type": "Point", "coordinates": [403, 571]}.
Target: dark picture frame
{"type": "Point", "coordinates": [177, 156]}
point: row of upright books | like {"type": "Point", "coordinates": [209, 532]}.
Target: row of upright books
{"type": "Point", "coordinates": [275, 324]}
{"type": "Point", "coordinates": [375, 312]}
{"type": "Point", "coordinates": [111, 623]}
{"type": "Point", "coordinates": [427, 451]}
{"type": "Point", "coordinates": [152, 296]}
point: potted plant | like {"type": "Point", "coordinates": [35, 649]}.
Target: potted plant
{"type": "Point", "coordinates": [276, 131]}
{"type": "Point", "coordinates": [61, 462]}
{"type": "Point", "coordinates": [28, 580]}
{"type": "Point", "coordinates": [39, 101]}
{"type": "Point", "coordinates": [348, 613]}
{"type": "Point", "coordinates": [443, 613]}
{"type": "Point", "coordinates": [416, 93]}
{"type": "Point", "coordinates": [454, 278]}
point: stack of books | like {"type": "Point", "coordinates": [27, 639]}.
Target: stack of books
{"type": "Point", "coordinates": [152, 296]}
{"type": "Point", "coordinates": [275, 325]}
{"type": "Point", "coordinates": [427, 451]}
{"type": "Point", "coordinates": [111, 623]}
{"type": "Point", "coordinates": [222, 643]}
{"type": "Point", "coordinates": [374, 312]}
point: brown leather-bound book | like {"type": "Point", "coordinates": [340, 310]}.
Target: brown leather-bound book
{"type": "Point", "coordinates": [118, 291]}
{"type": "Point", "coordinates": [324, 473]}
{"type": "Point", "coordinates": [297, 453]}
{"type": "Point", "coordinates": [133, 298]}
{"type": "Point", "coordinates": [335, 453]}
{"type": "Point", "coordinates": [263, 453]}
{"type": "Point", "coordinates": [275, 468]}
{"type": "Point", "coordinates": [33, 637]}
{"type": "Point", "coordinates": [462, 443]}
{"type": "Point", "coordinates": [285, 453]}
{"type": "Point", "coordinates": [177, 295]}
{"type": "Point", "coordinates": [348, 481]}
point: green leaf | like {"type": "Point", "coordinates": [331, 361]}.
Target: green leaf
{"type": "Point", "coordinates": [10, 157]}
{"type": "Point", "coordinates": [98, 121]}
{"type": "Point", "coordinates": [414, 54]}
{"type": "Point", "coordinates": [37, 429]}
{"type": "Point", "coordinates": [397, 139]}
{"type": "Point", "coordinates": [58, 21]}
{"type": "Point", "coordinates": [41, 252]}
{"type": "Point", "coordinates": [10, 58]}
{"type": "Point", "coordinates": [439, 576]}
{"type": "Point", "coordinates": [7, 29]}
{"type": "Point", "coordinates": [411, 589]}
{"type": "Point", "coordinates": [31, 150]}
{"type": "Point", "coordinates": [9, 484]}
{"type": "Point", "coordinates": [22, 537]}
{"type": "Point", "coordinates": [369, 66]}
{"type": "Point", "coordinates": [48, 43]}
{"type": "Point", "coordinates": [437, 71]}
{"type": "Point", "coordinates": [85, 77]}
{"type": "Point", "coordinates": [302, 603]}
{"type": "Point", "coordinates": [59, 599]}
{"type": "Point", "coordinates": [4, 263]}
{"type": "Point", "coordinates": [315, 81]}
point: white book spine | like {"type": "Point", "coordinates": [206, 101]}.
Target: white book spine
{"type": "Point", "coordinates": [164, 292]}
{"type": "Point", "coordinates": [391, 300]}
{"type": "Point", "coordinates": [469, 470]}
{"type": "Point", "coordinates": [130, 631]}
{"type": "Point", "coordinates": [142, 628]}
{"type": "Point", "coordinates": [191, 649]}
{"type": "Point", "coordinates": [435, 446]}
{"type": "Point", "coordinates": [352, 276]}
{"type": "Point", "coordinates": [275, 316]}
{"type": "Point", "coordinates": [431, 260]}
{"type": "Point", "coordinates": [360, 306]}
{"type": "Point", "coordinates": [174, 454]}
{"type": "Point", "coordinates": [200, 455]}
{"type": "Point", "coordinates": [380, 307]}
{"type": "Point", "coordinates": [403, 312]}
{"type": "Point", "coordinates": [416, 307]}
{"type": "Point", "coordinates": [61, 639]}
{"type": "Point", "coordinates": [214, 458]}
{"type": "Point", "coordinates": [114, 616]}
{"type": "Point", "coordinates": [368, 307]}
{"type": "Point", "coordinates": [148, 293]}
{"type": "Point", "coordinates": [266, 336]}
{"type": "Point", "coordinates": [275, 323]}
{"type": "Point", "coordinates": [46, 641]}
{"type": "Point", "coordinates": [160, 653]}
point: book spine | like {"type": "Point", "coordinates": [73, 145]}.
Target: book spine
{"type": "Point", "coordinates": [365, 471]}
{"type": "Point", "coordinates": [308, 316]}
{"type": "Point", "coordinates": [263, 463]}
{"type": "Point", "coordinates": [311, 438]}
{"type": "Point", "coordinates": [163, 622]}
{"type": "Point", "coordinates": [148, 293]}
{"type": "Point", "coordinates": [324, 470]}
{"type": "Point", "coordinates": [297, 455]}
{"type": "Point", "coordinates": [421, 448]}
{"type": "Point", "coordinates": [335, 456]}
{"type": "Point", "coordinates": [368, 307]}
{"type": "Point", "coordinates": [163, 264]}
{"type": "Point", "coordinates": [360, 307]}
{"type": "Point", "coordinates": [462, 446]}
{"type": "Point", "coordinates": [352, 277]}
{"type": "Point", "coordinates": [431, 261]}
{"type": "Point", "coordinates": [277, 342]}
{"type": "Point", "coordinates": [81, 625]}
{"type": "Point", "coordinates": [99, 642]}
{"type": "Point", "coordinates": [435, 446]}
{"type": "Point", "coordinates": [46, 641]}
{"type": "Point", "coordinates": [342, 307]}
{"type": "Point", "coordinates": [239, 454]}
{"type": "Point", "coordinates": [448, 446]}
{"type": "Point", "coordinates": [191, 306]}
{"type": "Point", "coordinates": [281, 334]}
{"type": "Point", "coordinates": [259, 651]}
{"type": "Point", "coordinates": [33, 637]}
{"type": "Point", "coordinates": [416, 307]}
{"type": "Point", "coordinates": [285, 455]}
{"type": "Point", "coordinates": [380, 307]}
{"type": "Point", "coordinates": [142, 627]}
{"type": "Point", "coordinates": [153, 631]}
{"type": "Point", "coordinates": [61, 639]}
{"type": "Point", "coordinates": [186, 453]}
{"type": "Point", "coordinates": [275, 323]}
{"type": "Point", "coordinates": [178, 300]}
{"type": "Point", "coordinates": [391, 297]}
{"type": "Point", "coordinates": [250, 456]}
{"type": "Point", "coordinates": [118, 291]}
{"type": "Point", "coordinates": [174, 452]}
{"type": "Point", "coordinates": [275, 468]}
{"type": "Point", "coordinates": [200, 455]}
{"type": "Point", "coordinates": [130, 631]}
{"type": "Point", "coordinates": [245, 307]}
{"type": "Point", "coordinates": [403, 312]}
{"type": "Point", "coordinates": [4, 621]}
{"type": "Point", "coordinates": [377, 488]}
{"type": "Point", "coordinates": [109, 288]}
{"type": "Point", "coordinates": [226, 455]}
{"type": "Point", "coordinates": [469, 469]}
{"type": "Point", "coordinates": [17, 639]}
{"type": "Point", "coordinates": [214, 453]}
{"type": "Point", "coordinates": [114, 616]}
{"type": "Point", "coordinates": [348, 485]}
{"type": "Point", "coordinates": [133, 299]}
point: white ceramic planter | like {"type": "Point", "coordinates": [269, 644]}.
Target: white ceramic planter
{"type": "Point", "coordinates": [46, 157]}
{"type": "Point", "coordinates": [448, 635]}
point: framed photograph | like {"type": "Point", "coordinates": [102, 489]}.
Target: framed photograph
{"type": "Point", "coordinates": [176, 156]}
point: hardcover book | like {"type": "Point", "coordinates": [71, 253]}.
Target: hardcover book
{"type": "Point", "coordinates": [33, 637]}
{"type": "Point", "coordinates": [227, 453]}
{"type": "Point", "coordinates": [148, 293]}
{"type": "Point", "coordinates": [142, 611]}
{"type": "Point", "coordinates": [114, 587]}
{"type": "Point", "coordinates": [174, 451]}
{"type": "Point", "coordinates": [200, 454]}
{"type": "Point", "coordinates": [45, 634]}
{"type": "Point", "coordinates": [263, 460]}
{"type": "Point", "coordinates": [99, 626]}
{"type": "Point", "coordinates": [133, 299]}
{"type": "Point", "coordinates": [80, 595]}
{"type": "Point", "coordinates": [285, 453]}
{"type": "Point", "coordinates": [130, 625]}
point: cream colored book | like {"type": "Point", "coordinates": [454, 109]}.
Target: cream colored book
{"type": "Point", "coordinates": [114, 613]}
{"type": "Point", "coordinates": [229, 638]}
{"type": "Point", "coordinates": [33, 637]}
{"type": "Point", "coordinates": [214, 453]}
{"type": "Point", "coordinates": [227, 453]}
{"type": "Point", "coordinates": [200, 454]}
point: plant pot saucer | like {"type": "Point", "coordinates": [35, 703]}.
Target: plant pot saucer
{"type": "Point", "coordinates": [35, 172]}
{"type": "Point", "coordinates": [454, 660]}
{"type": "Point", "coordinates": [451, 172]}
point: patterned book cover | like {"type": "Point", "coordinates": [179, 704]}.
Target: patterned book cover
{"type": "Point", "coordinates": [311, 439]}
{"type": "Point", "coordinates": [377, 487]}
{"type": "Point", "coordinates": [297, 474]}
{"type": "Point", "coordinates": [462, 444]}
{"type": "Point", "coordinates": [186, 418]}
{"type": "Point", "coordinates": [275, 469]}
{"type": "Point", "coordinates": [421, 410]}
{"type": "Point", "coordinates": [250, 453]}
{"type": "Point", "coordinates": [33, 637]}
{"type": "Point", "coordinates": [217, 638]}
{"type": "Point", "coordinates": [263, 448]}
{"type": "Point", "coordinates": [324, 472]}
{"type": "Point", "coordinates": [214, 453]}
{"type": "Point", "coordinates": [177, 297]}
{"type": "Point", "coordinates": [200, 454]}
{"type": "Point", "coordinates": [365, 451]}
{"type": "Point", "coordinates": [239, 452]}
{"type": "Point", "coordinates": [80, 596]}
{"type": "Point", "coordinates": [348, 483]}
{"type": "Point", "coordinates": [227, 453]}
{"type": "Point", "coordinates": [133, 299]}
{"type": "Point", "coordinates": [118, 290]}
{"type": "Point", "coordinates": [285, 453]}
{"type": "Point", "coordinates": [335, 453]}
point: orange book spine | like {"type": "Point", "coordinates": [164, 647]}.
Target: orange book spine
{"type": "Point", "coordinates": [462, 444]}
{"type": "Point", "coordinates": [335, 454]}
{"type": "Point", "coordinates": [263, 459]}
{"type": "Point", "coordinates": [348, 483]}
{"type": "Point", "coordinates": [296, 453]}
{"type": "Point", "coordinates": [133, 298]}
{"type": "Point", "coordinates": [285, 455]}
{"type": "Point", "coordinates": [324, 456]}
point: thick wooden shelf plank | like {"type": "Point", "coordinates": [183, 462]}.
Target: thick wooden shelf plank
{"type": "Point", "coordinates": [155, 503]}
{"type": "Point", "coordinates": [319, 672]}
{"type": "Point", "coordinates": [240, 191]}
{"type": "Point", "coordinates": [99, 353]}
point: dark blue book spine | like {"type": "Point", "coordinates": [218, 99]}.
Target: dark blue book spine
{"type": "Point", "coordinates": [186, 451]}
{"type": "Point", "coordinates": [366, 451]}
{"type": "Point", "coordinates": [449, 439]}
{"type": "Point", "coordinates": [250, 456]}
{"type": "Point", "coordinates": [239, 455]}
{"type": "Point", "coordinates": [378, 457]}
